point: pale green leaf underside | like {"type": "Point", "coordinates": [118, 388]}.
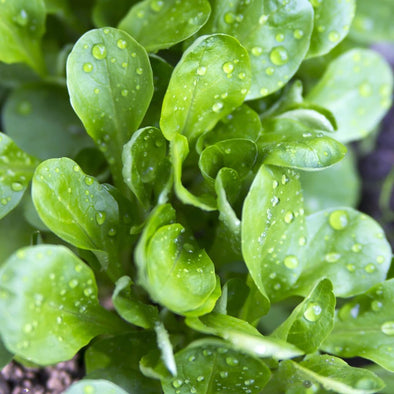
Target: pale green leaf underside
{"type": "Point", "coordinates": [94, 386]}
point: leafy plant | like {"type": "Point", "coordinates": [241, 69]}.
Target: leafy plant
{"type": "Point", "coordinates": [201, 184]}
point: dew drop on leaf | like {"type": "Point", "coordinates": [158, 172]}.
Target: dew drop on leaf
{"type": "Point", "coordinates": [87, 67]}
{"type": "Point", "coordinates": [338, 220]}
{"type": "Point", "coordinates": [22, 18]}
{"type": "Point", "coordinates": [291, 262]}
{"type": "Point", "coordinates": [280, 37]}
{"type": "Point", "coordinates": [217, 107]}
{"type": "Point", "coordinates": [370, 268]}
{"type": "Point", "coordinates": [269, 71]}
{"type": "Point", "coordinates": [388, 328]}
{"type": "Point", "coordinates": [298, 34]}
{"type": "Point", "coordinates": [16, 186]}
{"type": "Point", "coordinates": [357, 248]}
{"type": "Point", "coordinates": [88, 389]}
{"type": "Point", "coordinates": [263, 18]}
{"type": "Point", "coordinates": [24, 108]}
{"type": "Point", "coordinates": [312, 312]}
{"type": "Point", "coordinates": [380, 259]}
{"type": "Point", "coordinates": [365, 89]}
{"type": "Point", "coordinates": [257, 51]}
{"type": "Point", "coordinates": [332, 257]}
{"type": "Point", "coordinates": [289, 217]}
{"type": "Point", "coordinates": [99, 51]}
{"type": "Point", "coordinates": [100, 218]}
{"type": "Point", "coordinates": [232, 361]}
{"type": "Point", "coordinates": [228, 67]}
{"type": "Point", "coordinates": [122, 44]}
{"type": "Point", "coordinates": [333, 36]}
{"type": "Point", "coordinates": [177, 383]}
{"type": "Point", "coordinates": [156, 5]}
{"type": "Point", "coordinates": [376, 305]}
{"type": "Point", "coordinates": [111, 232]}
{"type": "Point", "coordinates": [279, 56]}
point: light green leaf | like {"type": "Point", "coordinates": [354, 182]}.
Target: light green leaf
{"type": "Point", "coordinates": [92, 385]}
{"type": "Point", "coordinates": [273, 230]}
{"type": "Point", "coordinates": [40, 120]}
{"type": "Point", "coordinates": [48, 286]}
{"type": "Point", "coordinates": [165, 346]}
{"type": "Point", "coordinates": [77, 208]}
{"type": "Point", "coordinates": [332, 20]}
{"type": "Point", "coordinates": [130, 307]}
{"type": "Point", "coordinates": [210, 366]}
{"type": "Point", "coordinates": [146, 168]}
{"type": "Point", "coordinates": [365, 327]}
{"type": "Point", "coordinates": [22, 25]}
{"type": "Point", "coordinates": [346, 246]}
{"type": "Point", "coordinates": [320, 373]}
{"type": "Point", "coordinates": [187, 16]}
{"type": "Point", "coordinates": [173, 269]}
{"type": "Point", "coordinates": [356, 88]}
{"type": "Point", "coordinates": [373, 22]}
{"type": "Point", "coordinates": [276, 35]}
{"type": "Point", "coordinates": [110, 12]}
{"type": "Point", "coordinates": [110, 82]}
{"type": "Point", "coordinates": [288, 143]}
{"type": "Point", "coordinates": [209, 82]}
{"type": "Point", "coordinates": [312, 320]}
{"type": "Point", "coordinates": [5, 355]}
{"type": "Point", "coordinates": [320, 188]}
{"type": "Point", "coordinates": [243, 336]}
{"type": "Point", "coordinates": [16, 170]}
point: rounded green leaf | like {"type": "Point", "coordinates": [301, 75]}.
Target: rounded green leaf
{"type": "Point", "coordinates": [22, 25]}
{"type": "Point", "coordinates": [209, 82]}
{"type": "Point", "coordinates": [273, 232]}
{"type": "Point", "coordinates": [356, 88]}
{"type": "Point", "coordinates": [40, 120]}
{"type": "Point", "coordinates": [110, 82]}
{"type": "Point", "coordinates": [346, 246]}
{"type": "Point", "coordinates": [365, 327]}
{"type": "Point", "coordinates": [49, 305]}
{"type": "Point", "coordinates": [187, 16]}
{"type": "Point", "coordinates": [332, 20]}
{"type": "Point", "coordinates": [212, 366]}
{"type": "Point", "coordinates": [276, 35]}
{"type": "Point", "coordinates": [16, 170]}
{"type": "Point", "coordinates": [94, 386]}
{"type": "Point", "coordinates": [75, 206]}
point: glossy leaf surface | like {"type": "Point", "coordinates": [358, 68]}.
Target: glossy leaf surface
{"type": "Point", "coordinates": [48, 286]}
{"type": "Point", "coordinates": [347, 247]}
{"type": "Point", "coordinates": [212, 366]}
{"type": "Point", "coordinates": [356, 88]}
{"type": "Point", "coordinates": [275, 34]}
{"type": "Point", "coordinates": [16, 170]}
{"type": "Point", "coordinates": [109, 79]}
{"type": "Point", "coordinates": [272, 213]}
{"type": "Point", "coordinates": [187, 16]}
{"type": "Point", "coordinates": [92, 386]}
{"type": "Point", "coordinates": [208, 83]}
{"type": "Point", "coordinates": [365, 327]}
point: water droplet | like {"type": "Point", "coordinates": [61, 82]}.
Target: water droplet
{"type": "Point", "coordinates": [269, 71]}
{"type": "Point", "coordinates": [27, 328]}
{"type": "Point", "coordinates": [333, 36]}
{"type": "Point", "coordinates": [365, 89]}
{"type": "Point", "coordinates": [263, 18]}
{"type": "Point", "coordinates": [298, 34]}
{"type": "Point", "coordinates": [275, 184]}
{"type": "Point", "coordinates": [280, 37]}
{"type": "Point", "coordinates": [124, 65]}
{"type": "Point", "coordinates": [257, 51]}
{"type": "Point", "coordinates": [351, 267]}
{"type": "Point", "coordinates": [248, 382]}
{"type": "Point", "coordinates": [156, 5]}
{"type": "Point", "coordinates": [223, 374]}
{"type": "Point", "coordinates": [122, 44]}
{"type": "Point", "coordinates": [21, 19]}
{"type": "Point", "coordinates": [302, 241]}
{"type": "Point", "coordinates": [388, 328]}
{"type": "Point", "coordinates": [4, 201]}
{"type": "Point", "coordinates": [73, 283]}
{"type": "Point", "coordinates": [192, 358]}
{"type": "Point", "coordinates": [100, 218]}
{"type": "Point", "coordinates": [88, 389]}
{"type": "Point", "coordinates": [316, 3]}
{"type": "Point", "coordinates": [111, 232]}
{"type": "Point", "coordinates": [229, 18]}
{"type": "Point", "coordinates": [284, 179]}
{"type": "Point", "coordinates": [200, 378]}
{"type": "Point", "coordinates": [88, 291]}
{"type": "Point", "coordinates": [370, 268]}
{"type": "Point", "coordinates": [332, 257]}
{"type": "Point", "coordinates": [356, 248]}
{"type": "Point", "coordinates": [16, 186]}
{"type": "Point", "coordinates": [124, 92]}
{"type": "Point", "coordinates": [279, 56]}
{"type": "Point", "coordinates": [289, 217]}
{"type": "Point", "coordinates": [291, 262]}
{"type": "Point", "coordinates": [312, 312]}
{"type": "Point", "coordinates": [76, 168]}
{"type": "Point", "coordinates": [380, 259]}
{"type": "Point", "coordinates": [232, 361]}
{"type": "Point", "coordinates": [217, 107]}
{"type": "Point", "coordinates": [177, 383]}
{"type": "Point", "coordinates": [99, 51]}
{"type": "Point", "coordinates": [24, 107]}
{"type": "Point", "coordinates": [201, 70]}
{"type": "Point", "coordinates": [87, 67]}
{"type": "Point", "coordinates": [89, 180]}
{"type": "Point", "coordinates": [275, 201]}
{"type": "Point", "coordinates": [338, 220]}
{"type": "Point", "coordinates": [228, 67]}
{"type": "Point", "coordinates": [376, 305]}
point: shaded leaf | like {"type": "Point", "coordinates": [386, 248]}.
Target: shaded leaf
{"type": "Point", "coordinates": [91, 386]}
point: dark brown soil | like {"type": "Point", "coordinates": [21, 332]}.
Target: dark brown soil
{"type": "Point", "coordinates": [17, 379]}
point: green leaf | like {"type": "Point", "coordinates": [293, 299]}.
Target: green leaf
{"type": "Point", "coordinates": [332, 20]}
{"type": "Point", "coordinates": [321, 373]}
{"type": "Point", "coordinates": [312, 320]}
{"type": "Point", "coordinates": [110, 82]}
{"type": "Point", "coordinates": [386, 376]}
{"type": "Point", "coordinates": [243, 122]}
{"type": "Point", "coordinates": [320, 191]}
{"type": "Point", "coordinates": [288, 143]}
{"type": "Point", "coordinates": [130, 307]}
{"type": "Point", "coordinates": [16, 170]}
{"type": "Point", "coordinates": [208, 83]}
{"type": "Point", "coordinates": [356, 88]}
{"type": "Point", "coordinates": [92, 386]}
{"type": "Point", "coordinates": [146, 168]}
{"type": "Point", "coordinates": [365, 327]}
{"type": "Point", "coordinates": [22, 25]}
{"type": "Point", "coordinates": [346, 246]}
{"type": "Point", "coordinates": [276, 35]}
{"type": "Point", "coordinates": [77, 208]}
{"type": "Point", "coordinates": [273, 230]}
{"type": "Point", "coordinates": [243, 336]}
{"type": "Point", "coordinates": [110, 12]}
{"type": "Point", "coordinates": [210, 366]}
{"type": "Point", "coordinates": [187, 15]}
{"type": "Point", "coordinates": [5, 355]}
{"type": "Point", "coordinates": [173, 269]}
{"type": "Point", "coordinates": [48, 286]}
{"type": "Point", "coordinates": [373, 22]}
{"type": "Point", "coordinates": [166, 349]}
{"type": "Point", "coordinates": [41, 121]}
